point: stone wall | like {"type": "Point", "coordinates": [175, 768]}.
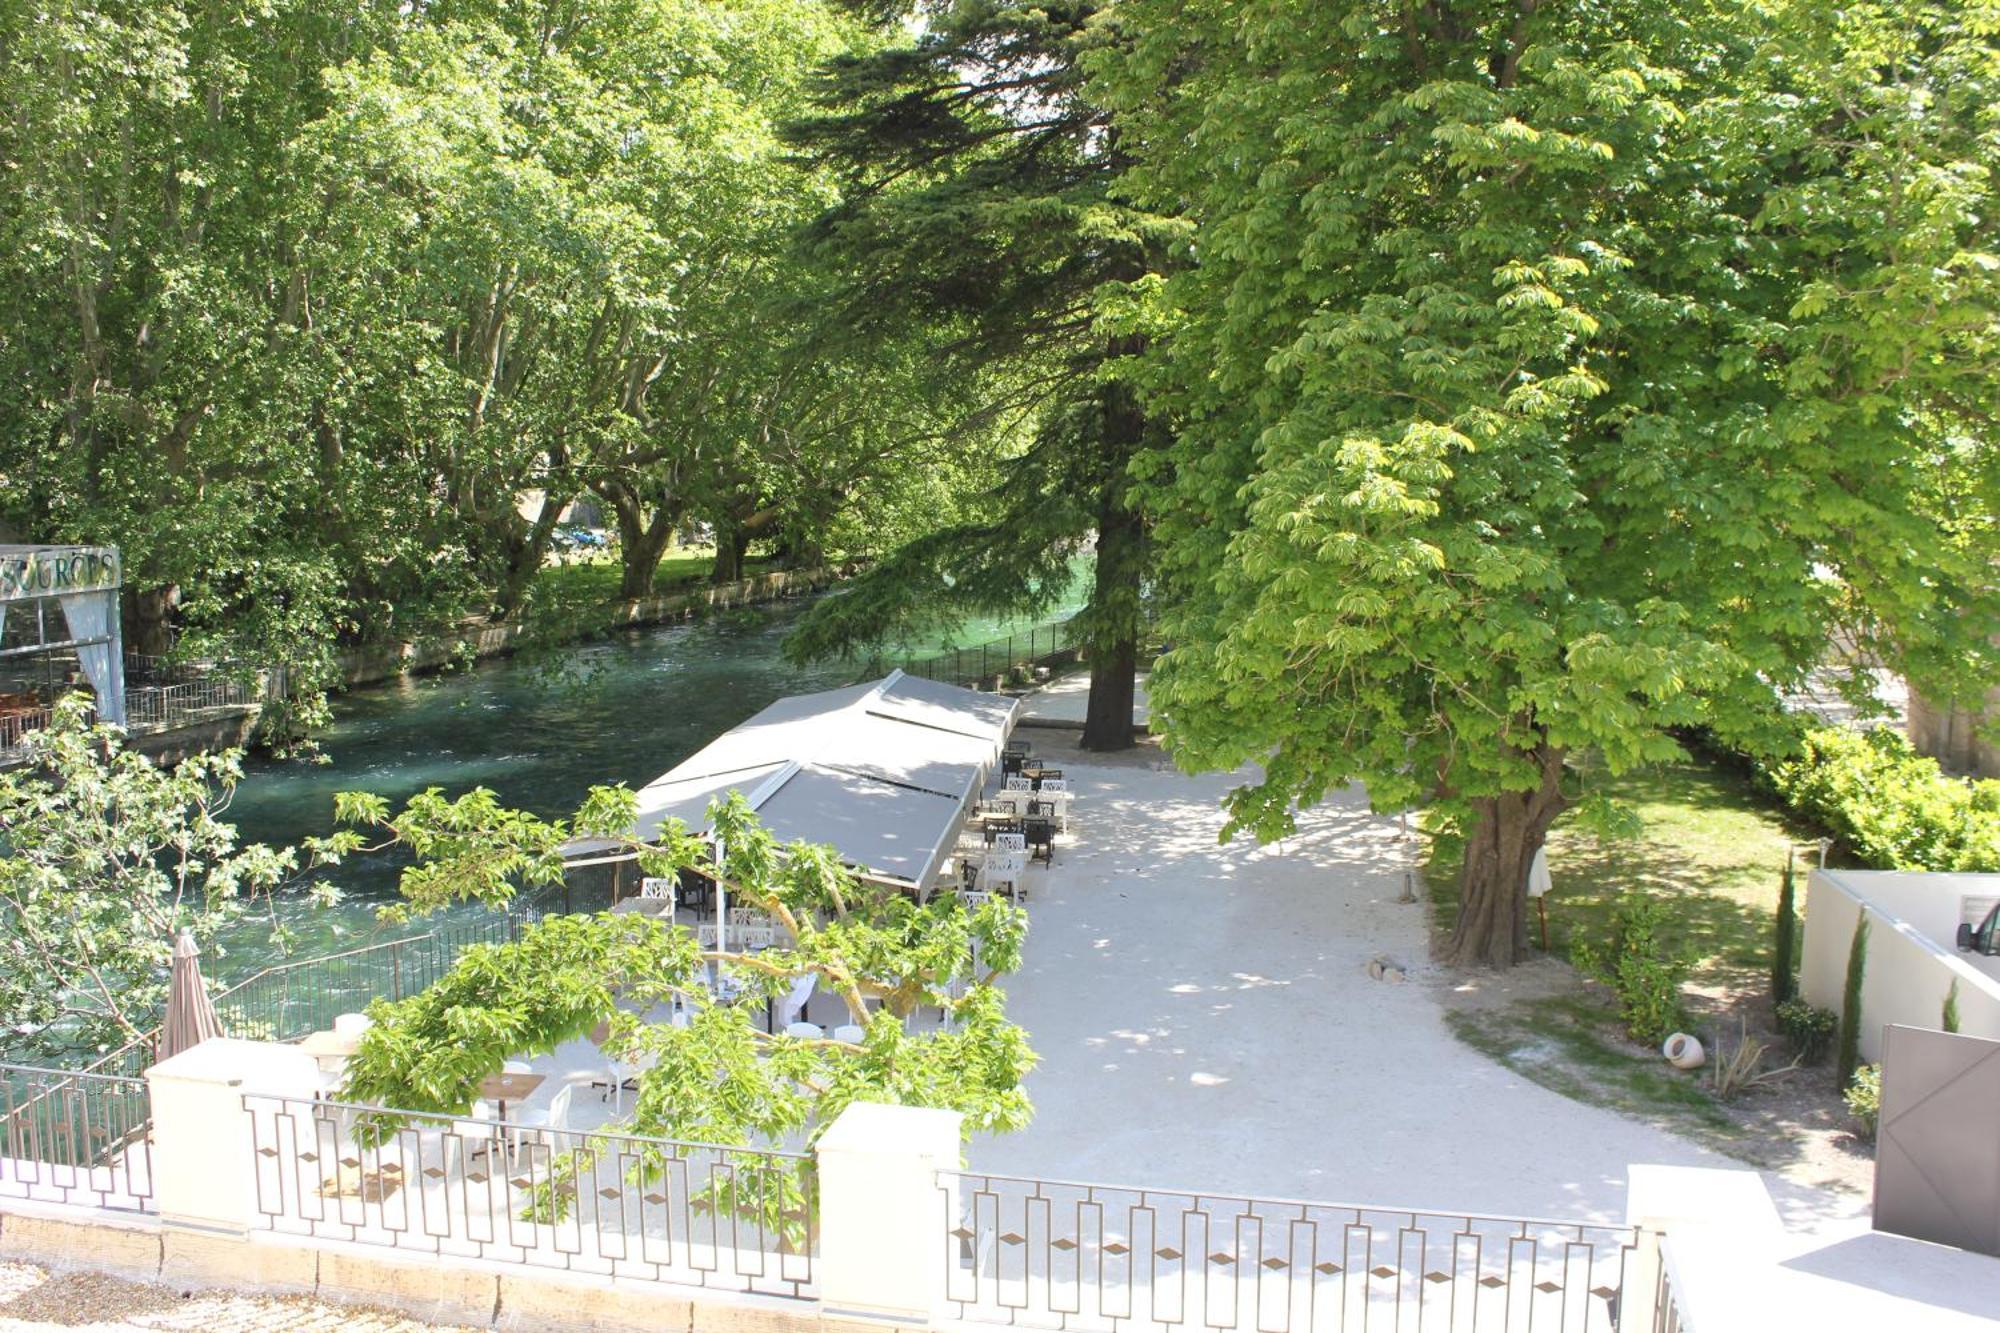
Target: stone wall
{"type": "Point", "coordinates": [478, 639]}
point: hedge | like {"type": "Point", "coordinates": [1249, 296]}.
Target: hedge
{"type": "Point", "coordinates": [1891, 807]}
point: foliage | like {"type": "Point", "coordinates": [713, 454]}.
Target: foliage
{"type": "Point", "coordinates": [1809, 1029]}
{"type": "Point", "coordinates": [1784, 978]}
{"type": "Point", "coordinates": [105, 859]}
{"type": "Point", "coordinates": [1863, 1095]}
{"type": "Point", "coordinates": [718, 1079]}
{"type": "Point", "coordinates": [1549, 378]}
{"type": "Point", "coordinates": [1948, 1016]}
{"type": "Point", "coordinates": [984, 204]}
{"type": "Point", "coordinates": [1739, 1069]}
{"type": "Point", "coordinates": [1850, 1004]}
{"type": "Point", "coordinates": [323, 310]}
{"type": "Point", "coordinates": [1641, 968]}
{"type": "Point", "coordinates": [1890, 806]}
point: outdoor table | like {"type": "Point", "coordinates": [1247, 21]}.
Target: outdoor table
{"type": "Point", "coordinates": [641, 906]}
{"type": "Point", "coordinates": [503, 1088]}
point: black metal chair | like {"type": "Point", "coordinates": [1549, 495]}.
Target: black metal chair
{"type": "Point", "coordinates": [1010, 764]}
{"type": "Point", "coordinates": [1041, 836]}
{"type": "Point", "coordinates": [993, 828]}
{"type": "Point", "coordinates": [1041, 775]}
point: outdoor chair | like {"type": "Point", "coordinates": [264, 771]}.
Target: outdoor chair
{"type": "Point", "coordinates": [1043, 776]}
{"type": "Point", "coordinates": [475, 1136]}
{"type": "Point", "coordinates": [995, 830]}
{"type": "Point", "coordinates": [1010, 763]}
{"type": "Point", "coordinates": [852, 1033]}
{"type": "Point", "coordinates": [532, 1128]}
{"type": "Point", "coordinates": [1016, 841]}
{"type": "Point", "coordinates": [805, 1031]}
{"type": "Point", "coordinates": [1041, 840]}
{"type": "Point", "coordinates": [1017, 783]}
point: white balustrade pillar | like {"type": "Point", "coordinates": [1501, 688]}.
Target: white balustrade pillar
{"type": "Point", "coordinates": [1686, 1201]}
{"type": "Point", "coordinates": [882, 1213]}
{"type": "Point", "coordinates": [204, 1155]}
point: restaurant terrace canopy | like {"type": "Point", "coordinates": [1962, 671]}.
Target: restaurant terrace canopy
{"type": "Point", "coordinates": [883, 771]}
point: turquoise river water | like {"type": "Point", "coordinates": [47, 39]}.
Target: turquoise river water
{"type": "Point", "coordinates": [538, 732]}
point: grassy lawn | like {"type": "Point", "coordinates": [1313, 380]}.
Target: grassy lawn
{"type": "Point", "coordinates": [1710, 845]}
{"type": "Point", "coordinates": [1714, 850]}
{"type": "Point", "coordinates": [592, 579]}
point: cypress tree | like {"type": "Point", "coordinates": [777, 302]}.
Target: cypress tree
{"type": "Point", "coordinates": [1783, 986]}
{"type": "Point", "coordinates": [1850, 1004]}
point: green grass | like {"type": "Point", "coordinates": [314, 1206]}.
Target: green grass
{"type": "Point", "coordinates": [1710, 845]}
{"type": "Point", "coordinates": [1713, 849]}
{"type": "Point", "coordinates": [595, 579]}
{"type": "Point", "coordinates": [1570, 1045]}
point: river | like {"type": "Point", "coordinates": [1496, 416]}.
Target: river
{"type": "Point", "coordinates": [538, 730]}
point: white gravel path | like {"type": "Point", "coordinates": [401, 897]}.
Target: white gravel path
{"type": "Point", "coordinates": [1205, 1020]}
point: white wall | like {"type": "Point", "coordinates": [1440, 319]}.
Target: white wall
{"type": "Point", "coordinates": [1912, 959]}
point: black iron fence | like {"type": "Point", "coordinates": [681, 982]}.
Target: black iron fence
{"type": "Point", "coordinates": [75, 1138]}
{"type": "Point", "coordinates": [997, 657]}
{"type": "Point", "coordinates": [615, 1205]}
{"type": "Point", "coordinates": [287, 1001]}
{"type": "Point", "coordinates": [1063, 1255]}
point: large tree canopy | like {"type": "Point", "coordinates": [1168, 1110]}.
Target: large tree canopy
{"type": "Point", "coordinates": [1554, 376]}
{"type": "Point", "coordinates": [981, 201]}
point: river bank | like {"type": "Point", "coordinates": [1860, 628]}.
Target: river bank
{"type": "Point", "coordinates": [480, 639]}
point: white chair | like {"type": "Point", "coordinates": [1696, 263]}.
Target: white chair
{"type": "Point", "coordinates": [1010, 842]}
{"type": "Point", "coordinates": [809, 1031]}
{"type": "Point", "coordinates": [1017, 783]}
{"type": "Point", "coordinates": [352, 1025]}
{"type": "Point", "coordinates": [704, 936]}
{"type": "Point", "coordinates": [476, 1135]}
{"type": "Point", "coordinates": [654, 887]}
{"type": "Point", "coordinates": [532, 1127]}
{"type": "Point", "coordinates": [627, 1072]}
{"type": "Point", "coordinates": [1003, 868]}
{"type": "Point", "coordinates": [1056, 792]}
{"type": "Point", "coordinates": [852, 1033]}
{"type": "Point", "coordinates": [749, 916]}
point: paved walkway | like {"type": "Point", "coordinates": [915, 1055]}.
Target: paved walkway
{"type": "Point", "coordinates": [1205, 1020]}
{"type": "Point", "coordinates": [1063, 700]}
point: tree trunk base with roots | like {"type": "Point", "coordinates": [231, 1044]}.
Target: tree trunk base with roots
{"type": "Point", "coordinates": [1501, 840]}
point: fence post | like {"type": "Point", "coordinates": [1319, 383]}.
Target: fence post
{"type": "Point", "coordinates": [204, 1155]}
{"type": "Point", "coordinates": [883, 1214]}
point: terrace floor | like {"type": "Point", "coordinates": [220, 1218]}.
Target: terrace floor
{"type": "Point", "coordinates": [1206, 1020]}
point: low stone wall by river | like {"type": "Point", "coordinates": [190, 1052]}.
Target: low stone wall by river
{"type": "Point", "coordinates": [367, 666]}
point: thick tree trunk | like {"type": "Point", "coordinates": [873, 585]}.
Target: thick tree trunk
{"type": "Point", "coordinates": [640, 545]}
{"type": "Point", "coordinates": [149, 626]}
{"type": "Point", "coordinates": [732, 542]}
{"type": "Point", "coordinates": [1113, 616]}
{"type": "Point", "coordinates": [1500, 844]}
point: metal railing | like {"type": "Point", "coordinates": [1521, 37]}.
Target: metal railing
{"type": "Point", "coordinates": [1065, 1255]}
{"type": "Point", "coordinates": [75, 1138]}
{"type": "Point", "coordinates": [163, 707]}
{"type": "Point", "coordinates": [14, 727]}
{"type": "Point", "coordinates": [996, 657]}
{"type": "Point", "coordinates": [286, 1001]}
{"type": "Point", "coordinates": [617, 1205]}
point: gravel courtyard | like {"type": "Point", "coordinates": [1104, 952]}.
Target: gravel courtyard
{"type": "Point", "coordinates": [1206, 1020]}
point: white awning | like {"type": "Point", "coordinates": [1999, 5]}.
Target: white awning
{"type": "Point", "coordinates": [884, 772]}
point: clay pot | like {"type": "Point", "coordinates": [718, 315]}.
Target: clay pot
{"type": "Point", "coordinates": [1683, 1051]}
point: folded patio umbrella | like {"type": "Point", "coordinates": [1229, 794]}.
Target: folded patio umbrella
{"type": "Point", "coordinates": [190, 1019]}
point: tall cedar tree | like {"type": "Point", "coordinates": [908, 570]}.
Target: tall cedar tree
{"type": "Point", "coordinates": [982, 205]}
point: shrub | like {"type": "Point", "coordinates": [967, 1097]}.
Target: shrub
{"type": "Point", "coordinates": [1850, 1003]}
{"type": "Point", "coordinates": [1735, 1071]}
{"type": "Point", "coordinates": [1810, 1030]}
{"type": "Point", "coordinates": [1948, 1020]}
{"type": "Point", "coordinates": [1892, 807]}
{"type": "Point", "coordinates": [1864, 1097]}
{"type": "Point", "coordinates": [1641, 969]}
{"type": "Point", "coordinates": [1782, 983]}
